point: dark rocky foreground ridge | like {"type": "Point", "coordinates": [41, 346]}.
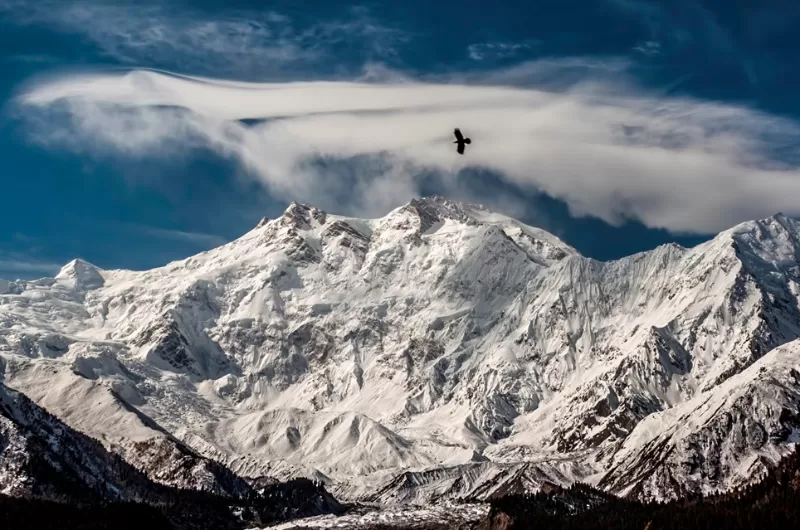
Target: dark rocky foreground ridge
{"type": "Point", "coordinates": [55, 477]}
{"type": "Point", "coordinates": [772, 503]}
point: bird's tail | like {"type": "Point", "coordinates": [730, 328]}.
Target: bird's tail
{"type": "Point", "coordinates": [467, 141]}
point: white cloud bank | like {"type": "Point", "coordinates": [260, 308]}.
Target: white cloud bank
{"type": "Point", "coordinates": [679, 164]}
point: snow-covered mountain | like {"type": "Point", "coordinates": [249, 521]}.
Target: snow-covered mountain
{"type": "Point", "coordinates": [41, 457]}
{"type": "Point", "coordinates": [442, 351]}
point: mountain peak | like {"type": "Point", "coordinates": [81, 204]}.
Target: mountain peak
{"type": "Point", "coordinates": [778, 219]}
{"type": "Point", "coordinates": [441, 202]}
{"type": "Point", "coordinates": [444, 207]}
{"type": "Point", "coordinates": [298, 214]}
{"type": "Point", "coordinates": [434, 209]}
{"type": "Point", "coordinates": [303, 215]}
{"type": "Point", "coordinates": [82, 275]}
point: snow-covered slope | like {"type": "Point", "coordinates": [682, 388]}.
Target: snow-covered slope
{"type": "Point", "coordinates": [42, 457]}
{"type": "Point", "coordinates": [441, 351]}
{"type": "Point", "coordinates": [719, 439]}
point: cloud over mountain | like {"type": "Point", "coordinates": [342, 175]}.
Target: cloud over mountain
{"type": "Point", "coordinates": [607, 151]}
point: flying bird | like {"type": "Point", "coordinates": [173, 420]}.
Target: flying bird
{"type": "Point", "coordinates": [461, 141]}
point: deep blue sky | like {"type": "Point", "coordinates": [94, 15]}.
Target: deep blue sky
{"type": "Point", "coordinates": [142, 212]}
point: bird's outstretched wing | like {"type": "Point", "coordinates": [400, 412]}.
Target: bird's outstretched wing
{"type": "Point", "coordinates": [460, 148]}
{"type": "Point", "coordinates": [457, 132]}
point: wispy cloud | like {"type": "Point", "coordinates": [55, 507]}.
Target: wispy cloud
{"type": "Point", "coordinates": [648, 48]}
{"type": "Point", "coordinates": [608, 151]}
{"type": "Point", "coordinates": [499, 50]}
{"type": "Point", "coordinates": [31, 58]}
{"type": "Point", "coordinates": [194, 238]}
{"type": "Point", "coordinates": [19, 237]}
{"type": "Point", "coordinates": [19, 259]}
{"type": "Point", "coordinates": [249, 42]}
{"type": "Point", "coordinates": [548, 74]}
{"type": "Point", "coordinates": [10, 268]}
{"type": "Point", "coordinates": [691, 27]}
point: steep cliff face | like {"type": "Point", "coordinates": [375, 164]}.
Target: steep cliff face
{"type": "Point", "coordinates": [442, 351]}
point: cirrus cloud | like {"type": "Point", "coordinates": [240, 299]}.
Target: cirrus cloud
{"type": "Point", "coordinates": [254, 43]}
{"type": "Point", "coordinates": [16, 267]}
{"type": "Point", "coordinates": [608, 151]}
{"type": "Point", "coordinates": [498, 50]}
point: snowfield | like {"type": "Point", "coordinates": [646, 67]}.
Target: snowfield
{"type": "Point", "coordinates": [441, 352]}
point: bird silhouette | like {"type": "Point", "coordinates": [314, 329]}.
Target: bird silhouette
{"type": "Point", "coordinates": [461, 141]}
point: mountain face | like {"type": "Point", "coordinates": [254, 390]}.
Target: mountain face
{"type": "Point", "coordinates": [771, 503]}
{"type": "Point", "coordinates": [443, 351]}
{"type": "Point", "coordinates": [42, 459]}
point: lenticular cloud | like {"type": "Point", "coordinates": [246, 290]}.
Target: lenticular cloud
{"type": "Point", "coordinates": [680, 164]}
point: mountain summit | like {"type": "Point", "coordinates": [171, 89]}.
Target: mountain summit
{"type": "Point", "coordinates": [441, 351]}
